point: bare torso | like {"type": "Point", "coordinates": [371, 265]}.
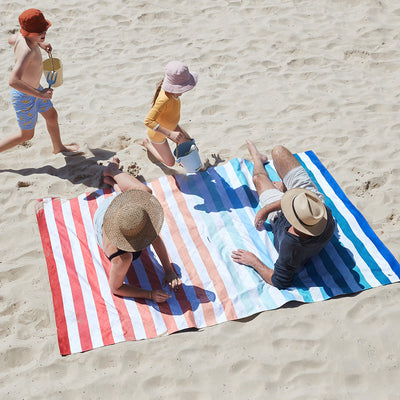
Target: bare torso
{"type": "Point", "coordinates": [32, 71]}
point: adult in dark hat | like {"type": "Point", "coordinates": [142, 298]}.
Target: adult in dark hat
{"type": "Point", "coordinates": [125, 225]}
{"type": "Point", "coordinates": [301, 222]}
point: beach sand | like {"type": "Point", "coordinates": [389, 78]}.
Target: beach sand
{"type": "Point", "coordinates": [321, 76]}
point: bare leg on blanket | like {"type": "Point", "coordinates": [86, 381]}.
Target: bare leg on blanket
{"type": "Point", "coordinates": [260, 176]}
{"type": "Point", "coordinates": [121, 181]}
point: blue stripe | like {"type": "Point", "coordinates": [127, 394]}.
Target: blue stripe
{"type": "Point", "coordinates": [386, 254]}
{"type": "Point", "coordinates": [221, 176]}
{"type": "Point", "coordinates": [345, 226]}
{"type": "Point", "coordinates": [213, 192]}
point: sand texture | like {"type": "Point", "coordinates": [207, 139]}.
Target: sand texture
{"type": "Point", "coordinates": [311, 75]}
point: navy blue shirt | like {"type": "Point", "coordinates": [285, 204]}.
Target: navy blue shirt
{"type": "Point", "coordinates": [295, 251]}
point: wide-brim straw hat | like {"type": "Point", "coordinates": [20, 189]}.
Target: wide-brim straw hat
{"type": "Point", "coordinates": [305, 211]}
{"type": "Point", "coordinates": [133, 220]}
{"type": "Point", "coordinates": [178, 79]}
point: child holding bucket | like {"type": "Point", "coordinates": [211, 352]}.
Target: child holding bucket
{"type": "Point", "coordinates": [28, 97]}
{"type": "Point", "coordinates": [163, 118]}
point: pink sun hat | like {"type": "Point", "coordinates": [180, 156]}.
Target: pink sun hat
{"type": "Point", "coordinates": [178, 79]}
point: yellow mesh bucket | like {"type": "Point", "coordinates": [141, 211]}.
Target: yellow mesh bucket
{"type": "Point", "coordinates": [47, 67]}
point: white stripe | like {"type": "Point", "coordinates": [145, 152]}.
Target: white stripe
{"type": "Point", "coordinates": [191, 249]}
{"type": "Point", "coordinates": [90, 308]}
{"type": "Point", "coordinates": [224, 274]}
{"type": "Point", "coordinates": [224, 254]}
{"type": "Point", "coordinates": [65, 287]}
{"type": "Point", "coordinates": [180, 320]}
{"type": "Point", "coordinates": [355, 227]}
{"type": "Point", "coordinates": [113, 316]}
{"type": "Point", "coordinates": [242, 230]}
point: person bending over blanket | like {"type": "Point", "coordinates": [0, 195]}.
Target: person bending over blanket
{"type": "Point", "coordinates": [301, 223]}
{"type": "Point", "coordinates": [125, 225]}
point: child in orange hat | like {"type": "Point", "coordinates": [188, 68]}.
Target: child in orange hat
{"type": "Point", "coordinates": [28, 97]}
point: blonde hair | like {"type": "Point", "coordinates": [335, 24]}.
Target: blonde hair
{"type": "Point", "coordinates": [157, 92]}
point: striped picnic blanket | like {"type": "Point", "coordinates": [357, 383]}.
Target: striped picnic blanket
{"type": "Point", "coordinates": [207, 216]}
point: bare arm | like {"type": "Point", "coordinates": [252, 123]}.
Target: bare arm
{"type": "Point", "coordinates": [262, 214]}
{"type": "Point", "coordinates": [119, 269]}
{"type": "Point", "coordinates": [17, 83]}
{"type": "Point", "coordinates": [170, 275]}
{"type": "Point", "coordinates": [46, 47]}
{"type": "Point", "coordinates": [247, 258]}
{"type": "Point", "coordinates": [176, 136]}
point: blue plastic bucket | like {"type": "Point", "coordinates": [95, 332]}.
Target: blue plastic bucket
{"type": "Point", "coordinates": [187, 154]}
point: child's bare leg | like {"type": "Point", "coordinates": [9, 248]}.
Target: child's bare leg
{"type": "Point", "coordinates": [261, 178]}
{"type": "Point", "coordinates": [15, 139]}
{"type": "Point", "coordinates": [123, 180]}
{"type": "Point", "coordinates": [161, 151]}
{"type": "Point", "coordinates": [53, 128]}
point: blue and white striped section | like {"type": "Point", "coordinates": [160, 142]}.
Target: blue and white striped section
{"type": "Point", "coordinates": [226, 203]}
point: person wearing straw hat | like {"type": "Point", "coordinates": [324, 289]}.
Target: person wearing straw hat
{"type": "Point", "coordinates": [28, 97]}
{"type": "Point", "coordinates": [301, 222]}
{"type": "Point", "coordinates": [163, 119]}
{"type": "Point", "coordinates": [125, 225]}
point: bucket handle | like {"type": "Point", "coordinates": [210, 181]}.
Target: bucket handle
{"type": "Point", "coordinates": [51, 59]}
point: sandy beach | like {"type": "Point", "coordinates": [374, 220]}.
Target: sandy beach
{"type": "Point", "coordinates": [321, 76]}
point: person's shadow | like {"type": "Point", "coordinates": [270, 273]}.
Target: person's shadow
{"type": "Point", "coordinates": [78, 169]}
{"type": "Point", "coordinates": [186, 298]}
{"type": "Point", "coordinates": [341, 271]}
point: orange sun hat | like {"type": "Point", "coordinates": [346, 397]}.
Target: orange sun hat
{"type": "Point", "coordinates": [33, 22]}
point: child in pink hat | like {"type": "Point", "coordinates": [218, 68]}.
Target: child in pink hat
{"type": "Point", "coordinates": [163, 119]}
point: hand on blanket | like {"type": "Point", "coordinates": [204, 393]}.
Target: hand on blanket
{"type": "Point", "coordinates": [172, 279]}
{"type": "Point", "coordinates": [159, 296]}
{"type": "Point", "coordinates": [244, 257]}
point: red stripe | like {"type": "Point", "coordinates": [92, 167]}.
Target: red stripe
{"type": "Point", "coordinates": [62, 331]}
{"type": "Point", "coordinates": [119, 303]}
{"type": "Point", "coordinates": [79, 305]}
{"type": "Point", "coordinates": [104, 323]}
{"type": "Point", "coordinates": [208, 310]}
{"type": "Point", "coordinates": [143, 308]}
{"type": "Point", "coordinates": [205, 255]}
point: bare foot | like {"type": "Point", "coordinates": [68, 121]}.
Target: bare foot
{"type": "Point", "coordinates": [112, 168]}
{"type": "Point", "coordinates": [69, 150]}
{"type": "Point", "coordinates": [110, 181]}
{"type": "Point", "coordinates": [145, 143]}
{"type": "Point", "coordinates": [255, 153]}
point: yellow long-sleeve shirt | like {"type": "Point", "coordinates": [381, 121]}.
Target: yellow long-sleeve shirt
{"type": "Point", "coordinates": [165, 112]}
